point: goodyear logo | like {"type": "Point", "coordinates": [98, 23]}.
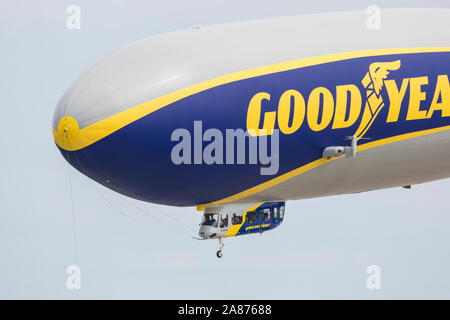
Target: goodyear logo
{"type": "Point", "coordinates": [320, 108]}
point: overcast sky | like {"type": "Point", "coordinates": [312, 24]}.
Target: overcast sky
{"type": "Point", "coordinates": [322, 249]}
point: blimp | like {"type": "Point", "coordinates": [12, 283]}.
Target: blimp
{"type": "Point", "coordinates": [238, 118]}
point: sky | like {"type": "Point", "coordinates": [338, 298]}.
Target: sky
{"type": "Point", "coordinates": [53, 217]}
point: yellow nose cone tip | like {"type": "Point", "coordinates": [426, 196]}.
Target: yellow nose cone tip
{"type": "Point", "coordinates": [67, 133]}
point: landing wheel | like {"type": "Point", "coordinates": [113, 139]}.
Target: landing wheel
{"type": "Point", "coordinates": [221, 246]}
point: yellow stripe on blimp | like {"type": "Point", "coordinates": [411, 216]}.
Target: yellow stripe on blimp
{"type": "Point", "coordinates": [314, 164]}
{"type": "Point", "coordinates": [99, 130]}
{"type": "Point", "coordinates": [234, 229]}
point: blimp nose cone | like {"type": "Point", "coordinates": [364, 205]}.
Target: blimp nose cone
{"type": "Point", "coordinates": [66, 133]}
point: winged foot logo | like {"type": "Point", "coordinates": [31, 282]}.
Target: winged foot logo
{"type": "Point", "coordinates": [373, 81]}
